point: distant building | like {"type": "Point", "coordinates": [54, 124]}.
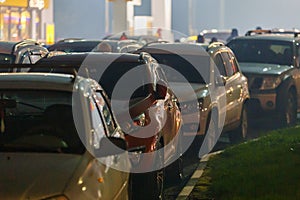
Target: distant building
{"type": "Point", "coordinates": [26, 19]}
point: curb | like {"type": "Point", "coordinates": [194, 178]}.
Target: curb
{"type": "Point", "coordinates": [188, 188]}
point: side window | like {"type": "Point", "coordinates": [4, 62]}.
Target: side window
{"type": "Point", "coordinates": [220, 65]}
{"type": "Point", "coordinates": [298, 55]}
{"type": "Point", "coordinates": [234, 64]}
{"type": "Point", "coordinates": [227, 63]}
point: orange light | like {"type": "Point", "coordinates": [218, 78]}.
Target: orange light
{"type": "Point", "coordinates": [100, 180]}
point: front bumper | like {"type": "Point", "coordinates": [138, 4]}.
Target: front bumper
{"type": "Point", "coordinates": [194, 123]}
{"type": "Point", "coordinates": [262, 102]}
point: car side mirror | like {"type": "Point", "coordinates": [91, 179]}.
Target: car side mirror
{"type": "Point", "coordinates": [161, 91]}
{"type": "Point", "coordinates": [110, 146]}
{"type": "Point", "coordinates": [220, 81]}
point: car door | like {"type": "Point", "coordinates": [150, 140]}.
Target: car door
{"type": "Point", "coordinates": [99, 175]}
{"type": "Point", "coordinates": [103, 123]}
{"type": "Point", "coordinates": [221, 65]}
{"type": "Point", "coordinates": [297, 70]}
{"type": "Point", "coordinates": [172, 119]}
{"type": "Point", "coordinates": [233, 87]}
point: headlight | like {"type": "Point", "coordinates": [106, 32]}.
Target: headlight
{"type": "Point", "coordinates": [270, 82]}
{"type": "Point", "coordinates": [60, 197]}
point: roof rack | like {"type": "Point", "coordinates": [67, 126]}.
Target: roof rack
{"type": "Point", "coordinates": [259, 31]}
{"type": "Point", "coordinates": [296, 33]}
{"type": "Point", "coordinates": [24, 43]}
{"type": "Point", "coordinates": [215, 44]}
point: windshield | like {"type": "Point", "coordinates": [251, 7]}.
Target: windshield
{"type": "Point", "coordinates": [179, 69]}
{"type": "Point", "coordinates": [263, 51]}
{"type": "Point", "coordinates": [38, 121]}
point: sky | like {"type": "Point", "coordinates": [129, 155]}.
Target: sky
{"type": "Point", "coordinates": [76, 19]}
{"type": "Point", "coordinates": [245, 15]}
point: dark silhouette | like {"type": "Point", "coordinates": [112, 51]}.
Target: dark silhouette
{"type": "Point", "coordinates": [213, 39]}
{"type": "Point", "coordinates": [234, 33]}
{"type": "Point", "coordinates": [123, 36]}
{"type": "Point", "coordinates": [200, 38]}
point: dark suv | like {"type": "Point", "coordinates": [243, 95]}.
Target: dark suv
{"type": "Point", "coordinates": [209, 87]}
{"type": "Point", "coordinates": [155, 119]}
{"type": "Point", "coordinates": [270, 60]}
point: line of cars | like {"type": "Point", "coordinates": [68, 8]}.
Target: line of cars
{"type": "Point", "coordinates": [170, 92]}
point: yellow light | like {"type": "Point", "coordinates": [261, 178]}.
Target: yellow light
{"type": "Point", "coordinates": [100, 180]}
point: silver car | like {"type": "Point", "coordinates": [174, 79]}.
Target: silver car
{"type": "Point", "coordinates": [44, 155]}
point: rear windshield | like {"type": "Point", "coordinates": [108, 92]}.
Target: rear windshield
{"type": "Point", "coordinates": [180, 68]}
{"type": "Point", "coordinates": [123, 78]}
{"type": "Point", "coordinates": [263, 51]}
{"type": "Point", "coordinates": [38, 121]}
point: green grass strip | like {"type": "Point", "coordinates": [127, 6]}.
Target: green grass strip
{"type": "Point", "coordinates": [266, 168]}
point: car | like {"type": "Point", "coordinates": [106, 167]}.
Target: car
{"type": "Point", "coordinates": [26, 52]}
{"type": "Point", "coordinates": [212, 35]}
{"type": "Point", "coordinates": [220, 35]}
{"type": "Point", "coordinates": [56, 131]}
{"type": "Point", "coordinates": [141, 39]}
{"type": "Point", "coordinates": [83, 45]}
{"type": "Point", "coordinates": [145, 107]}
{"type": "Point", "coordinates": [207, 111]}
{"type": "Point", "coordinates": [270, 60]}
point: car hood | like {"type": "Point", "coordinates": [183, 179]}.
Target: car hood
{"type": "Point", "coordinates": [35, 175]}
{"type": "Point", "coordinates": [189, 91]}
{"type": "Point", "coordinates": [263, 68]}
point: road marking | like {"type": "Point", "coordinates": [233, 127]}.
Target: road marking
{"type": "Point", "coordinates": [188, 188]}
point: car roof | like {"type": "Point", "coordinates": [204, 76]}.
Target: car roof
{"type": "Point", "coordinates": [49, 81]}
{"type": "Point", "coordinates": [179, 48]}
{"type": "Point", "coordinates": [76, 59]}
{"type": "Point", "coordinates": [278, 37]}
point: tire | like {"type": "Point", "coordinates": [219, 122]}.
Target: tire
{"type": "Point", "coordinates": [156, 189]}
{"type": "Point", "coordinates": [241, 133]}
{"type": "Point", "coordinates": [150, 185]}
{"type": "Point", "coordinates": [174, 172]}
{"type": "Point", "coordinates": [288, 112]}
{"type": "Point", "coordinates": [212, 134]}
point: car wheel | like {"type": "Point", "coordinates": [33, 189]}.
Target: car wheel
{"type": "Point", "coordinates": [150, 185]}
{"type": "Point", "coordinates": [288, 114]}
{"type": "Point", "coordinates": [157, 177]}
{"type": "Point", "coordinates": [175, 170]}
{"type": "Point", "coordinates": [241, 133]}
